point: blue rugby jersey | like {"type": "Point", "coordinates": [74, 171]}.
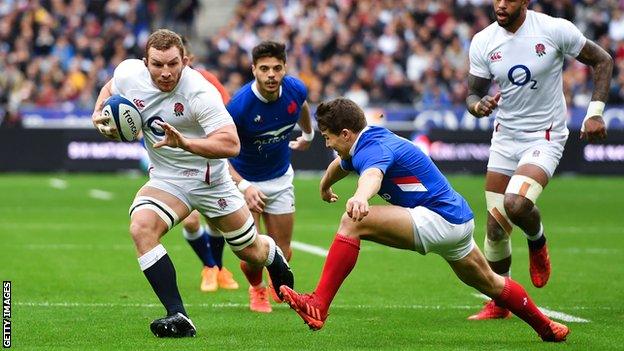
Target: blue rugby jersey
{"type": "Point", "coordinates": [410, 178]}
{"type": "Point", "coordinates": [264, 128]}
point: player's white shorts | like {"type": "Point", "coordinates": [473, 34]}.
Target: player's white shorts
{"type": "Point", "coordinates": [280, 193]}
{"type": "Point", "coordinates": [210, 200]}
{"type": "Point", "coordinates": [513, 148]}
{"type": "Point", "coordinates": [433, 233]}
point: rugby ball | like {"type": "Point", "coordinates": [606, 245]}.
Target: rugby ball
{"type": "Point", "coordinates": [124, 115]}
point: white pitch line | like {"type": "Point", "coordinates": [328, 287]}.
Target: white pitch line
{"type": "Point", "coordinates": [563, 316]}
{"type": "Point", "coordinates": [108, 304]}
{"type": "Point", "coordinates": [100, 194]}
{"type": "Point", "coordinates": [315, 250]}
{"type": "Point", "coordinates": [231, 305]}
{"type": "Point", "coordinates": [550, 313]}
{"type": "Point", "coordinates": [57, 183]}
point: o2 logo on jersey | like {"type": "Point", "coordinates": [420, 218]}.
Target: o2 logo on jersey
{"type": "Point", "coordinates": [154, 127]}
{"type": "Point", "coordinates": [516, 78]}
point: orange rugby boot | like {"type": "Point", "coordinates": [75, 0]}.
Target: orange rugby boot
{"type": "Point", "coordinates": [539, 266]}
{"type": "Point", "coordinates": [491, 311]}
{"type": "Point", "coordinates": [259, 299]}
{"type": "Point", "coordinates": [556, 332]}
{"type": "Point", "coordinates": [225, 279]}
{"type": "Point", "coordinates": [305, 306]}
{"type": "Point", "coordinates": [209, 279]}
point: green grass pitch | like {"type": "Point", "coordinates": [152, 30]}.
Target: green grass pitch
{"type": "Point", "coordinates": [76, 283]}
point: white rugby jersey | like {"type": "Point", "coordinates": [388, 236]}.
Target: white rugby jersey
{"type": "Point", "coordinates": [194, 108]}
{"type": "Point", "coordinates": [527, 65]}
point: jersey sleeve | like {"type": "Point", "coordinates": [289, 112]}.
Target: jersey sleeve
{"type": "Point", "coordinates": [373, 155]}
{"type": "Point", "coordinates": [124, 75]}
{"type": "Point", "coordinates": [209, 109]}
{"type": "Point", "coordinates": [568, 37]}
{"type": "Point", "coordinates": [478, 60]}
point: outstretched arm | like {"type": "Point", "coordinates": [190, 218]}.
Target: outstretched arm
{"type": "Point", "coordinates": [593, 55]}
{"type": "Point", "coordinates": [368, 185]}
{"type": "Point", "coordinates": [222, 143]}
{"type": "Point", "coordinates": [332, 175]}
{"type": "Point", "coordinates": [478, 102]}
{"type": "Point", "coordinates": [304, 141]}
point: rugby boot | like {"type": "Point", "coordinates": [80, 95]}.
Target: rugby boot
{"type": "Point", "coordinates": [555, 332]}
{"type": "Point", "coordinates": [174, 326]}
{"type": "Point", "coordinates": [306, 307]}
{"type": "Point", "coordinates": [491, 311]}
{"type": "Point", "coordinates": [209, 279]}
{"type": "Point", "coordinates": [259, 299]}
{"type": "Point", "coordinates": [225, 279]}
{"type": "Point", "coordinates": [539, 266]}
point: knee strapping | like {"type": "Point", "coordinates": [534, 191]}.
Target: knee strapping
{"type": "Point", "coordinates": [497, 250]}
{"type": "Point", "coordinates": [496, 207]}
{"type": "Point", "coordinates": [524, 186]}
{"type": "Point", "coordinates": [166, 213]}
{"type": "Point", "coordinates": [243, 237]}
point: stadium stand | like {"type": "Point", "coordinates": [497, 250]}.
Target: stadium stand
{"type": "Point", "coordinates": [58, 53]}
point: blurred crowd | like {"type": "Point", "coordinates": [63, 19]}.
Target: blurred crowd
{"type": "Point", "coordinates": [376, 52]}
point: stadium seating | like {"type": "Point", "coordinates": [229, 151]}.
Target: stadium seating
{"type": "Point", "coordinates": [55, 53]}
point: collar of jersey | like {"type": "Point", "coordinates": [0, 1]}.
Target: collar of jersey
{"type": "Point", "coordinates": [254, 88]}
{"type": "Point", "coordinates": [510, 34]}
{"type": "Point", "coordinates": [352, 150]}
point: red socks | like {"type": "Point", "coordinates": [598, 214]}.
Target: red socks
{"type": "Point", "coordinates": [515, 299]}
{"type": "Point", "coordinates": [341, 259]}
{"type": "Point", "coordinates": [253, 274]}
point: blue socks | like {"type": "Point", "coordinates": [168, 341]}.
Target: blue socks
{"type": "Point", "coordinates": [201, 246]}
{"type": "Point", "coordinates": [216, 244]}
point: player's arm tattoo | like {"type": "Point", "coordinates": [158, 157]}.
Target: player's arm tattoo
{"type": "Point", "coordinates": [477, 88]}
{"type": "Point", "coordinates": [602, 63]}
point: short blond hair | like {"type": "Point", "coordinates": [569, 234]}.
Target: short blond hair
{"type": "Point", "coordinates": [164, 39]}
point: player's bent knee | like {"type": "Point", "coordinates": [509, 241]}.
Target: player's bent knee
{"type": "Point", "coordinates": [348, 227]}
{"type": "Point", "coordinates": [251, 254]}
{"type": "Point", "coordinates": [191, 222]}
{"type": "Point", "coordinates": [145, 235]}
{"type": "Point", "coordinates": [243, 237]}
{"type": "Point", "coordinates": [496, 207]}
{"type": "Point", "coordinates": [494, 231]}
{"type": "Point", "coordinates": [166, 213]}
{"type": "Point", "coordinates": [497, 244]}
{"type": "Point", "coordinates": [524, 186]}
{"type": "Point", "coordinates": [517, 206]}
